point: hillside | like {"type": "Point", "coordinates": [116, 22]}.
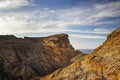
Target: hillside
{"type": "Point", "coordinates": [101, 64]}
{"type": "Point", "coordinates": [29, 57]}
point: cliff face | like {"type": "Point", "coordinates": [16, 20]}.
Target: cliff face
{"type": "Point", "coordinates": [102, 64]}
{"type": "Point", "coordinates": [30, 57]}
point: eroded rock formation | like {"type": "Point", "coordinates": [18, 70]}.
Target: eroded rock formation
{"type": "Point", "coordinates": [102, 64]}
{"type": "Point", "coordinates": [23, 59]}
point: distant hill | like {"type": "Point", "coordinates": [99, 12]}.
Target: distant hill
{"type": "Point", "coordinates": [86, 51]}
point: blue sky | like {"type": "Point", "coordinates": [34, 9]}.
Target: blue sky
{"type": "Point", "coordinates": [87, 22]}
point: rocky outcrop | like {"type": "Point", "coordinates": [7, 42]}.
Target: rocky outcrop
{"type": "Point", "coordinates": [102, 64]}
{"type": "Point", "coordinates": [23, 59]}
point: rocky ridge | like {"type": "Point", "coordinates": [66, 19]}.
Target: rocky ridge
{"type": "Point", "coordinates": [101, 64]}
{"type": "Point", "coordinates": [29, 57]}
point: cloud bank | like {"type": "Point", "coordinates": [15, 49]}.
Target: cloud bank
{"type": "Point", "coordinates": [8, 4]}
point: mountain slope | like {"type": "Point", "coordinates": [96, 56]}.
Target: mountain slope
{"type": "Point", "coordinates": [102, 64]}
{"type": "Point", "coordinates": [31, 57]}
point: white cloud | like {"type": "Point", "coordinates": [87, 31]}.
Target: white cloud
{"type": "Point", "coordinates": [7, 4]}
{"type": "Point", "coordinates": [58, 21]}
{"type": "Point", "coordinates": [10, 24]}
{"type": "Point", "coordinates": [95, 31]}
{"type": "Point", "coordinates": [61, 20]}
{"type": "Point", "coordinates": [77, 16]}
{"type": "Point", "coordinates": [110, 10]}
{"type": "Point", "coordinates": [102, 30]}
{"type": "Point", "coordinates": [86, 36]}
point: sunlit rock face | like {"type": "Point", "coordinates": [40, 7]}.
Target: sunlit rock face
{"type": "Point", "coordinates": [102, 64]}
{"type": "Point", "coordinates": [27, 58]}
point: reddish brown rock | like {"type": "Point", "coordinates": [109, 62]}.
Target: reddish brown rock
{"type": "Point", "coordinates": [102, 64]}
{"type": "Point", "coordinates": [27, 58]}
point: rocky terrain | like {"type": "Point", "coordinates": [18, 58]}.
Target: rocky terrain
{"type": "Point", "coordinates": [101, 64]}
{"type": "Point", "coordinates": [28, 57]}
{"type": "Point", "coordinates": [54, 58]}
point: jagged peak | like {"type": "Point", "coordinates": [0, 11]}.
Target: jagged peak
{"type": "Point", "coordinates": [59, 35]}
{"type": "Point", "coordinates": [51, 37]}
{"type": "Point", "coordinates": [55, 35]}
{"type": "Point", "coordinates": [7, 37]}
{"type": "Point", "coordinates": [114, 34]}
{"type": "Point", "coordinates": [57, 39]}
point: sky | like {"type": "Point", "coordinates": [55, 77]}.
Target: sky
{"type": "Point", "coordinates": [87, 22]}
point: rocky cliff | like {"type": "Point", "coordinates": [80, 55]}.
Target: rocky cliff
{"type": "Point", "coordinates": [26, 58]}
{"type": "Point", "coordinates": [102, 64]}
